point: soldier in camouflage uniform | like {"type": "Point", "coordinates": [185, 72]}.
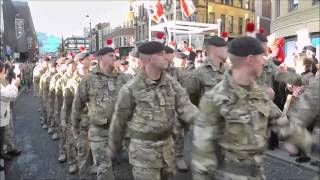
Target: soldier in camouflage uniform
{"type": "Point", "coordinates": [207, 76]}
{"type": "Point", "coordinates": [44, 91]}
{"type": "Point", "coordinates": [178, 132]}
{"type": "Point", "coordinates": [229, 140]}
{"type": "Point", "coordinates": [98, 90]}
{"type": "Point", "coordinates": [27, 74]}
{"type": "Point", "coordinates": [60, 118]}
{"type": "Point", "coordinates": [53, 127]}
{"type": "Point", "coordinates": [38, 71]}
{"type": "Point", "coordinates": [271, 71]}
{"type": "Point", "coordinates": [81, 141]}
{"type": "Point", "coordinates": [148, 106]}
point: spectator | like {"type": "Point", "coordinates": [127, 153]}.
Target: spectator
{"type": "Point", "coordinates": [8, 93]}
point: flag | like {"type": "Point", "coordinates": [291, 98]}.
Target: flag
{"type": "Point", "coordinates": [187, 7]}
{"type": "Point", "coordinates": [155, 11]}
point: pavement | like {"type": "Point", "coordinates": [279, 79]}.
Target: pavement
{"type": "Point", "coordinates": [38, 160]}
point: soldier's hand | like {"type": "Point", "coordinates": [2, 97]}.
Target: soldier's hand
{"type": "Point", "coordinates": [16, 82]}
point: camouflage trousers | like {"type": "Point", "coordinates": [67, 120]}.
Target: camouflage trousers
{"type": "Point", "coordinates": [84, 154]}
{"type": "Point", "coordinates": [50, 110]}
{"type": "Point", "coordinates": [152, 160]}
{"type": "Point", "coordinates": [36, 82]}
{"type": "Point", "coordinates": [44, 111]}
{"type": "Point", "coordinates": [102, 160]}
{"type": "Point", "coordinates": [9, 143]}
{"type": "Point", "coordinates": [28, 82]}
{"type": "Point", "coordinates": [70, 144]}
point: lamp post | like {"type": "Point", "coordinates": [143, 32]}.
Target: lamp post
{"type": "Point", "coordinates": [90, 33]}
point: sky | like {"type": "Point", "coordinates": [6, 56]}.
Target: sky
{"type": "Point", "coordinates": [68, 17]}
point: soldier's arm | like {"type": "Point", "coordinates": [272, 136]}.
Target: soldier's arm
{"type": "Point", "coordinates": [67, 104]}
{"type": "Point", "coordinates": [52, 86]}
{"type": "Point", "coordinates": [287, 76]}
{"type": "Point", "coordinates": [293, 132]}
{"type": "Point", "coordinates": [123, 112]}
{"type": "Point", "coordinates": [57, 101]}
{"type": "Point", "coordinates": [192, 83]}
{"type": "Point", "coordinates": [205, 135]}
{"type": "Point", "coordinates": [79, 102]}
{"type": "Point", "coordinates": [186, 111]}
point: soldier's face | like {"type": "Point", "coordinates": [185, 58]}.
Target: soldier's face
{"type": "Point", "coordinates": [257, 65]}
{"type": "Point", "coordinates": [86, 62]}
{"type": "Point", "coordinates": [217, 52]}
{"type": "Point", "coordinates": [159, 61]}
{"type": "Point", "coordinates": [108, 60]}
{"type": "Point", "coordinates": [168, 57]}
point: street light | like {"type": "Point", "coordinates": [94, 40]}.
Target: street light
{"type": "Point", "coordinates": [87, 16]}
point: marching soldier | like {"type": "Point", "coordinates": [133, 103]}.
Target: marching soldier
{"type": "Point", "coordinates": [99, 91]}
{"type": "Point", "coordinates": [207, 76]}
{"type": "Point", "coordinates": [44, 91]}
{"type": "Point", "coordinates": [53, 129]}
{"type": "Point", "coordinates": [81, 140]}
{"type": "Point", "coordinates": [178, 132]}
{"type": "Point", "coordinates": [147, 106]}
{"type": "Point", "coordinates": [229, 140]}
{"type": "Point", "coordinates": [59, 116]}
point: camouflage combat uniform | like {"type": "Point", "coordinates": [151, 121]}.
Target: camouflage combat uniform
{"type": "Point", "coordinates": [52, 96]}
{"type": "Point", "coordinates": [58, 113]}
{"type": "Point", "coordinates": [271, 71]}
{"type": "Point", "coordinates": [149, 109]}
{"type": "Point", "coordinates": [37, 72]}
{"type": "Point", "coordinates": [99, 91]}
{"type": "Point", "coordinates": [43, 93]}
{"type": "Point", "coordinates": [229, 140]}
{"type": "Point", "coordinates": [27, 74]}
{"type": "Point", "coordinates": [202, 79]}
{"type": "Point", "coordinates": [81, 138]}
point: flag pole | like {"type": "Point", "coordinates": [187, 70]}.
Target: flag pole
{"type": "Point", "coordinates": [149, 24]}
{"type": "Point", "coordinates": [174, 18]}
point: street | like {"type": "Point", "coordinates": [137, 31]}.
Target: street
{"type": "Point", "coordinates": [38, 160]}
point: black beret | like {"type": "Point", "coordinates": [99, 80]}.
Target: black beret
{"type": "Point", "coordinates": [104, 51]}
{"type": "Point", "coordinates": [215, 41]}
{"type": "Point", "coordinates": [245, 46]}
{"type": "Point", "coordinates": [180, 55]}
{"type": "Point", "coordinates": [192, 56]}
{"type": "Point", "coordinates": [168, 49]}
{"type": "Point", "coordinates": [151, 47]}
{"type": "Point", "coordinates": [261, 37]}
{"type": "Point", "coordinates": [81, 56]}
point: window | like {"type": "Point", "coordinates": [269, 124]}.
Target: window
{"type": "Point", "coordinates": [293, 5]}
{"type": "Point", "coordinates": [212, 18]}
{"type": "Point", "coordinates": [223, 22]}
{"type": "Point", "coordinates": [241, 3]}
{"type": "Point", "coordinates": [314, 2]}
{"type": "Point", "coordinates": [240, 25]}
{"type": "Point", "coordinates": [231, 24]}
{"type": "Point", "coordinates": [277, 4]}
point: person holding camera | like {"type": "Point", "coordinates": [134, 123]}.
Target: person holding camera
{"type": "Point", "coordinates": [8, 93]}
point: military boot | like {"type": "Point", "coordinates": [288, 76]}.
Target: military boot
{"type": "Point", "coordinates": [62, 158]}
{"type": "Point", "coordinates": [50, 130]}
{"type": "Point", "coordinates": [72, 169]}
{"type": "Point", "coordinates": [44, 126]}
{"type": "Point", "coordinates": [181, 164]}
{"type": "Point", "coordinates": [55, 136]}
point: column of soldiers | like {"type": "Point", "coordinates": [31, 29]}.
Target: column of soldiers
{"type": "Point", "coordinates": [229, 110]}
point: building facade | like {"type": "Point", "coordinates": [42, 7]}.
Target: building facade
{"type": "Point", "coordinates": [289, 16]}
{"type": "Point", "coordinates": [234, 15]}
{"type": "Point", "coordinates": [73, 44]}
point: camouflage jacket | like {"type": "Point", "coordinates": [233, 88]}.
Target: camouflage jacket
{"type": "Point", "coordinates": [305, 109]}
{"type": "Point", "coordinates": [27, 70]}
{"type": "Point", "coordinates": [175, 72]}
{"type": "Point", "coordinates": [44, 86]}
{"type": "Point", "coordinates": [271, 72]}
{"type": "Point", "coordinates": [68, 96]}
{"type": "Point", "coordinates": [52, 85]}
{"type": "Point", "coordinates": [59, 86]}
{"type": "Point", "coordinates": [202, 80]}
{"type": "Point", "coordinates": [149, 108]}
{"type": "Point", "coordinates": [234, 128]}
{"type": "Point", "coordinates": [99, 92]}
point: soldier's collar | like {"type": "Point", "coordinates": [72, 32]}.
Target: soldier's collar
{"type": "Point", "coordinates": [214, 67]}
{"type": "Point", "coordinates": [254, 91]}
{"type": "Point", "coordinates": [151, 82]}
